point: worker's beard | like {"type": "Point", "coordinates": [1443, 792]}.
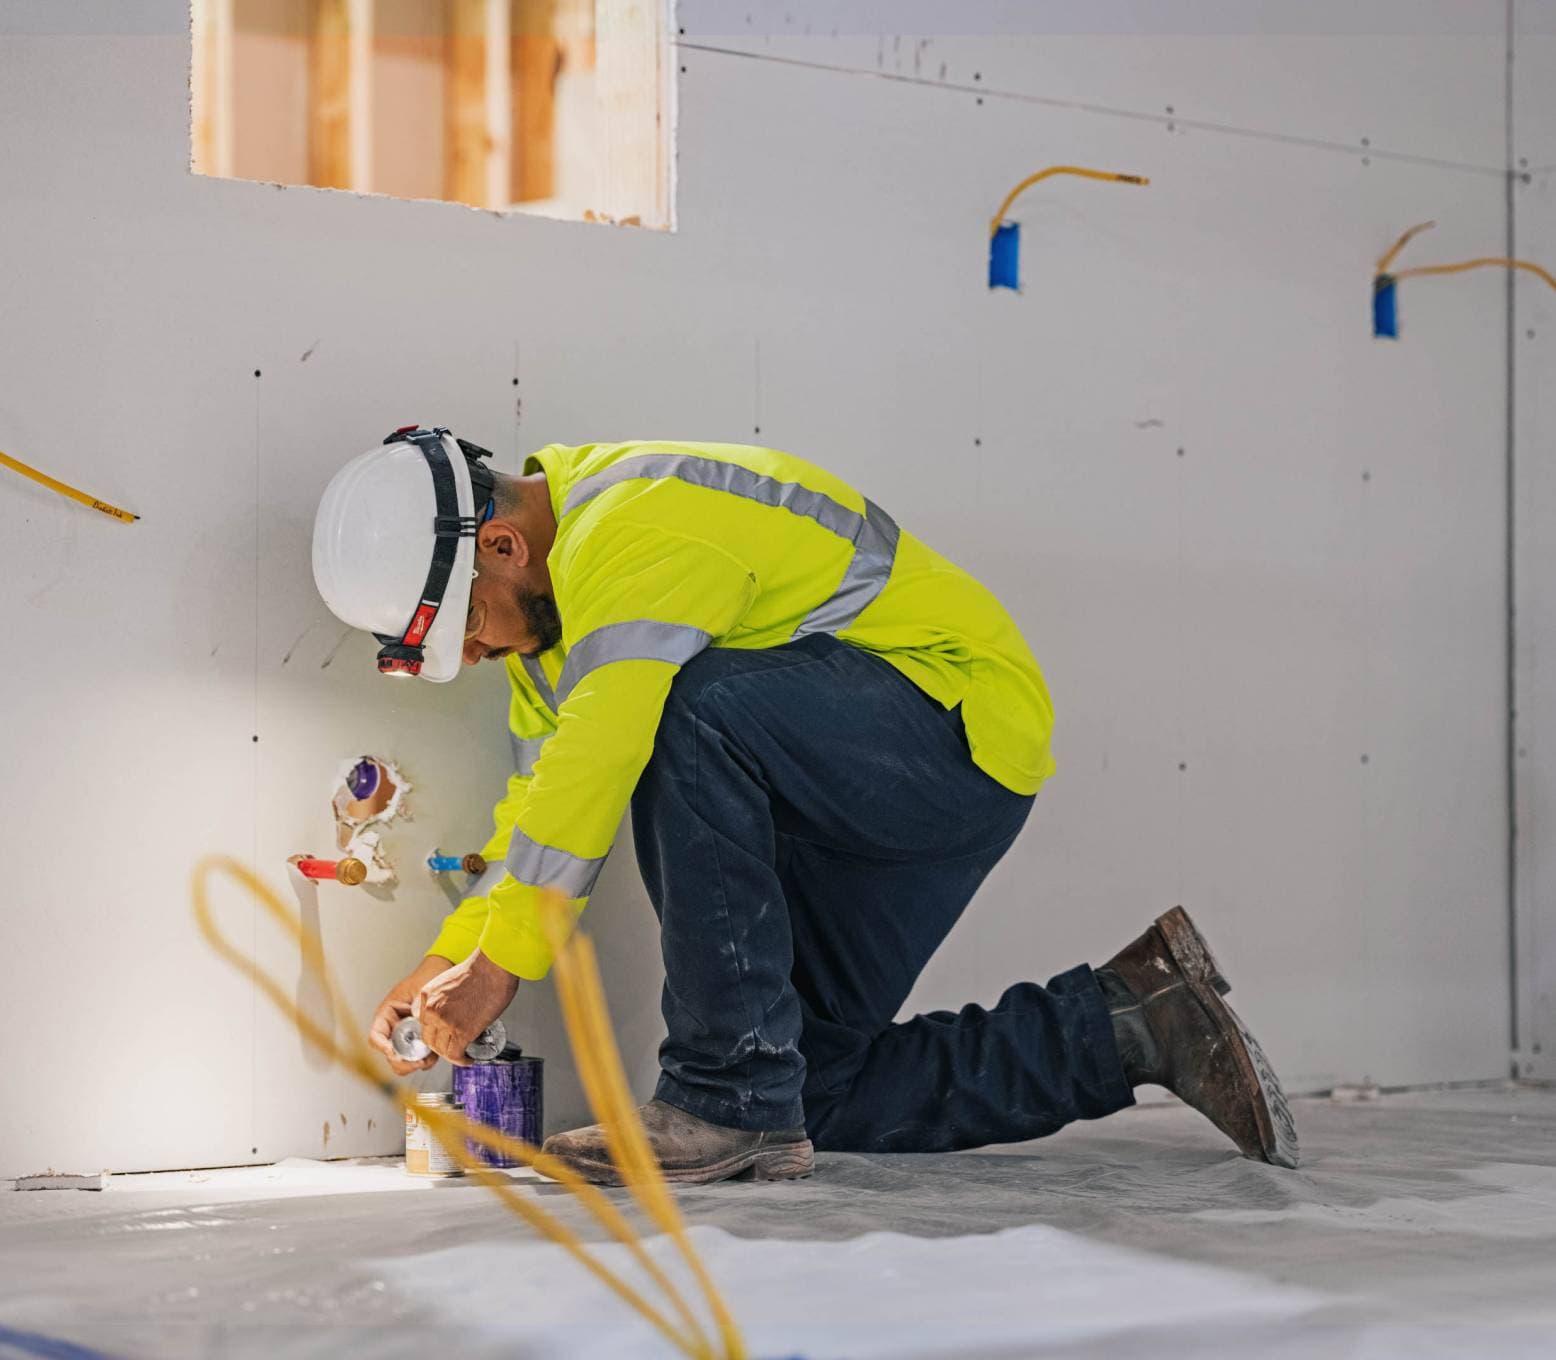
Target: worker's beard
{"type": "Point", "coordinates": [541, 618]}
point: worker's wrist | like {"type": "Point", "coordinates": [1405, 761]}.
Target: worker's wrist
{"type": "Point", "coordinates": [480, 963]}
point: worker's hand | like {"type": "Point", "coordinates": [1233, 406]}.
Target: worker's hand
{"type": "Point", "coordinates": [396, 1006]}
{"type": "Point", "coordinates": [457, 1005]}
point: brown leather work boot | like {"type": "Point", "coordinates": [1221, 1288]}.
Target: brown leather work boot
{"type": "Point", "coordinates": [1173, 1029]}
{"type": "Point", "coordinates": [691, 1150]}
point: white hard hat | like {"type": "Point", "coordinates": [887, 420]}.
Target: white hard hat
{"type": "Point", "coordinates": [394, 547]}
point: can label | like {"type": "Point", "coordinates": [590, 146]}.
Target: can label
{"type": "Point", "coordinates": [424, 1154]}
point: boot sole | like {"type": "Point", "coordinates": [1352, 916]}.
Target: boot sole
{"type": "Point", "coordinates": [785, 1162]}
{"type": "Point", "coordinates": [1277, 1129]}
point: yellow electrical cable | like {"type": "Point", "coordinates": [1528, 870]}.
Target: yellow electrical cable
{"type": "Point", "coordinates": [91, 502]}
{"type": "Point", "coordinates": [360, 1060]}
{"type": "Point", "coordinates": [452, 1129]}
{"type": "Point", "coordinates": [1501, 261]}
{"type": "Point", "coordinates": [599, 1063]}
{"type": "Point", "coordinates": [1484, 262]}
{"type": "Point", "coordinates": [584, 1015]}
{"type": "Point", "coordinates": [994, 222]}
{"type": "Point", "coordinates": [1393, 251]}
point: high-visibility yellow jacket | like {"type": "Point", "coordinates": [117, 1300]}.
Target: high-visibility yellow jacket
{"type": "Point", "coordinates": [663, 549]}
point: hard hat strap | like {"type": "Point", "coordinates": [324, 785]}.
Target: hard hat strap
{"type": "Point", "coordinates": [405, 655]}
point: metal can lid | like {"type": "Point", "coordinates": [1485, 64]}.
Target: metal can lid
{"type": "Point", "coordinates": [407, 1041]}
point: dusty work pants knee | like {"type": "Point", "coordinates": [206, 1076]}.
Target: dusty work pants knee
{"type": "Point", "coordinates": [809, 828]}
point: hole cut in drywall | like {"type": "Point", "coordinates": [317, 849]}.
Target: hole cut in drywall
{"type": "Point", "coordinates": [561, 108]}
{"type": "Point", "coordinates": [369, 794]}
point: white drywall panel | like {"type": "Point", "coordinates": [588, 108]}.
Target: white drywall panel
{"type": "Point", "coordinates": [1534, 84]}
{"type": "Point", "coordinates": [1251, 610]}
{"type": "Point", "coordinates": [1368, 75]}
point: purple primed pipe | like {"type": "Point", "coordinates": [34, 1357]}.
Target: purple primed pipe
{"type": "Point", "coordinates": [363, 779]}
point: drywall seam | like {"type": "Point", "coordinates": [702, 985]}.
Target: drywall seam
{"type": "Point", "coordinates": [1080, 106]}
{"type": "Point", "coordinates": [1510, 564]}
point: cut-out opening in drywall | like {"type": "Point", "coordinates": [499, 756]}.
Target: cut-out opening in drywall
{"type": "Point", "coordinates": [369, 794]}
{"type": "Point", "coordinates": [559, 108]}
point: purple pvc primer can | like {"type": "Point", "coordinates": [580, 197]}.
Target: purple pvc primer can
{"type": "Point", "coordinates": [506, 1094]}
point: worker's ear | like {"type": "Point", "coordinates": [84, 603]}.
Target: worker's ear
{"type": "Point", "coordinates": [499, 539]}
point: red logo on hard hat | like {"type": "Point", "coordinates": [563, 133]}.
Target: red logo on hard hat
{"type": "Point", "coordinates": [420, 622]}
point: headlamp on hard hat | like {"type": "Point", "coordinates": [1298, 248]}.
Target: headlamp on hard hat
{"type": "Point", "coordinates": [405, 654]}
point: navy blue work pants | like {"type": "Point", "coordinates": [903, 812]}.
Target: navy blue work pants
{"type": "Point", "coordinates": [809, 828]}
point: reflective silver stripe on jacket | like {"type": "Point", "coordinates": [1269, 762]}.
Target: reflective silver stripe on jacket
{"type": "Point", "coordinates": [874, 552]}
{"type": "Point", "coordinates": [719, 476]}
{"type": "Point", "coordinates": [633, 640]}
{"type": "Point", "coordinates": [526, 751]}
{"type": "Point", "coordinates": [544, 866]}
{"type": "Point", "coordinates": [873, 533]}
{"type": "Point", "coordinates": [480, 887]}
{"type": "Point", "coordinates": [536, 672]}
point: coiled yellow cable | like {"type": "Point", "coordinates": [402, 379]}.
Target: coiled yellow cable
{"type": "Point", "coordinates": [589, 1033]}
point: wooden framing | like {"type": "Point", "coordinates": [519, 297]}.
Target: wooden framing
{"type": "Point", "coordinates": [505, 64]}
{"type": "Point", "coordinates": [479, 118]}
{"type": "Point", "coordinates": [340, 111]}
{"type": "Point", "coordinates": [211, 88]}
{"type": "Point", "coordinates": [633, 92]}
{"type": "Point", "coordinates": [537, 61]}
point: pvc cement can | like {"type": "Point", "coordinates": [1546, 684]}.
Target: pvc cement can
{"type": "Point", "coordinates": [506, 1094]}
{"type": "Point", "coordinates": [424, 1155]}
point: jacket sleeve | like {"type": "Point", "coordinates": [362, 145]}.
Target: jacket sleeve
{"type": "Point", "coordinates": [530, 725]}
{"type": "Point", "coordinates": [640, 602]}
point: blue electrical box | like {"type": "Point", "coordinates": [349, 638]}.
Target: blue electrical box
{"type": "Point", "coordinates": [1005, 256]}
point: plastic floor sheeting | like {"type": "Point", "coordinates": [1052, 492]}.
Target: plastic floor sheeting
{"type": "Point", "coordinates": [1420, 1225]}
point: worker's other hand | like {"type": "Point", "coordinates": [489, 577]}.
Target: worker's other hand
{"type": "Point", "coordinates": [458, 1004]}
{"type": "Point", "coordinates": [396, 1005]}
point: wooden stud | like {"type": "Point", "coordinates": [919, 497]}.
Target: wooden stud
{"type": "Point", "coordinates": [479, 119]}
{"type": "Point", "coordinates": [210, 88]}
{"type": "Point", "coordinates": [340, 124]}
{"type": "Point", "coordinates": [631, 93]}
{"type": "Point", "coordinates": [537, 61]}
{"type": "Point", "coordinates": [498, 188]}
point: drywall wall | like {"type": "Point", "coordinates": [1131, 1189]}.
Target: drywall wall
{"type": "Point", "coordinates": [1532, 336]}
{"type": "Point", "coordinates": [1277, 654]}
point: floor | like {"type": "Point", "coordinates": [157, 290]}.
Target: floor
{"type": "Point", "coordinates": [1420, 1225]}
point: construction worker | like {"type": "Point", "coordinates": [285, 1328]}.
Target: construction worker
{"type": "Point", "coordinates": [828, 735]}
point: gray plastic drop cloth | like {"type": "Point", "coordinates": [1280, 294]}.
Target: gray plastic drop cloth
{"type": "Point", "coordinates": [1420, 1225]}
